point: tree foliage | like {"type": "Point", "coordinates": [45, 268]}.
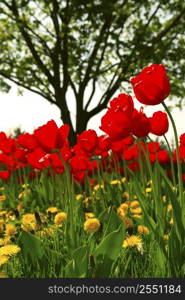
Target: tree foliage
{"type": "Point", "coordinates": [51, 46]}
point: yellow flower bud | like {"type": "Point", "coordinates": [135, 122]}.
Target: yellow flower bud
{"type": "Point", "coordinates": [91, 225]}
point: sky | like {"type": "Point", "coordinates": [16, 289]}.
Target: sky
{"type": "Point", "coordinates": [31, 110]}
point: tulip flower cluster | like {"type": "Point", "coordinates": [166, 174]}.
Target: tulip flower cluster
{"type": "Point", "coordinates": [123, 126]}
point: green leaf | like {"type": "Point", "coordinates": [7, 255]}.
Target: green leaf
{"type": "Point", "coordinates": [80, 261]}
{"type": "Point", "coordinates": [31, 246]}
{"type": "Point", "coordinates": [111, 244]}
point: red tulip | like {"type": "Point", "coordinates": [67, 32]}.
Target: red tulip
{"type": "Point", "coordinates": [104, 142]}
{"type": "Point", "coordinates": [182, 139]}
{"type": "Point", "coordinates": [152, 85]}
{"type": "Point", "coordinates": [123, 103]}
{"type": "Point", "coordinates": [88, 140]}
{"type": "Point", "coordinates": [38, 159]}
{"type": "Point", "coordinates": [5, 175]}
{"type": "Point", "coordinates": [116, 125]}
{"type": "Point", "coordinates": [163, 157]}
{"type": "Point", "coordinates": [27, 141]}
{"type": "Point", "coordinates": [50, 137]}
{"type": "Point", "coordinates": [140, 124]}
{"type": "Point", "coordinates": [159, 123]}
{"type": "Point", "coordinates": [153, 147]}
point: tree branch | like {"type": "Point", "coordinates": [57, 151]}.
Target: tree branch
{"type": "Point", "coordinates": [46, 96]}
{"type": "Point", "coordinates": [30, 44]}
{"type": "Point", "coordinates": [172, 24]}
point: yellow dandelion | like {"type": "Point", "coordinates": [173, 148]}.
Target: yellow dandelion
{"type": "Point", "coordinates": [143, 229]}
{"type": "Point", "coordinates": [137, 216]}
{"type": "Point", "coordinates": [114, 182]}
{"type": "Point", "coordinates": [125, 195]}
{"type": "Point", "coordinates": [171, 221]}
{"type": "Point", "coordinates": [148, 190]}
{"type": "Point", "coordinates": [3, 259]}
{"type": "Point", "coordinates": [124, 206]}
{"type": "Point", "coordinates": [60, 218]}
{"type": "Point", "coordinates": [98, 187]}
{"type": "Point", "coordinates": [48, 231]}
{"type": "Point", "coordinates": [122, 209]}
{"type": "Point", "coordinates": [52, 210]}
{"type": "Point", "coordinates": [134, 204]}
{"type": "Point", "coordinates": [166, 237]}
{"type": "Point", "coordinates": [91, 225]}
{"type": "Point", "coordinates": [5, 241]}
{"type": "Point", "coordinates": [87, 200]}
{"type": "Point", "coordinates": [169, 207]}
{"type": "Point", "coordinates": [1, 242]}
{"type": "Point", "coordinates": [128, 222]}
{"type": "Point", "coordinates": [79, 196]}
{"type": "Point", "coordinates": [24, 194]}
{"type": "Point", "coordinates": [20, 206]}
{"type": "Point", "coordinates": [149, 182]}
{"type": "Point", "coordinates": [174, 188]}
{"type": "Point", "coordinates": [123, 179]}
{"type": "Point", "coordinates": [3, 213]}
{"type": "Point", "coordinates": [9, 250]}
{"type": "Point", "coordinates": [121, 213]}
{"type": "Point", "coordinates": [25, 185]}
{"type": "Point", "coordinates": [136, 211]}
{"type": "Point", "coordinates": [2, 198]}
{"type": "Point", "coordinates": [164, 198]}
{"type": "Point", "coordinates": [29, 222]}
{"type": "Point", "coordinates": [133, 241]}
{"type": "Point", "coordinates": [10, 229]}
{"type": "Point", "coordinates": [89, 215]}
{"type": "Point", "coordinates": [2, 225]}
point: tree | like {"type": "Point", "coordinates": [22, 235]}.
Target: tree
{"type": "Point", "coordinates": [51, 46]}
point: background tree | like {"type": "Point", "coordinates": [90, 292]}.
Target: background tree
{"type": "Point", "coordinates": [51, 46]}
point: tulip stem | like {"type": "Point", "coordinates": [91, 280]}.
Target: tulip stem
{"type": "Point", "coordinates": [180, 186]}
{"type": "Point", "coordinates": [171, 159]}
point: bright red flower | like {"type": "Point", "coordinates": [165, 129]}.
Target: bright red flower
{"type": "Point", "coordinates": [163, 157]}
{"type": "Point", "coordinates": [66, 153]}
{"type": "Point", "coordinates": [56, 162]}
{"type": "Point", "coordinates": [27, 141]}
{"type": "Point", "coordinates": [79, 163]}
{"type": "Point", "coordinates": [3, 136]}
{"type": "Point", "coordinates": [104, 142]}
{"type": "Point", "coordinates": [183, 177]}
{"type": "Point", "coordinates": [38, 159]}
{"type": "Point", "coordinates": [5, 175]}
{"type": "Point", "coordinates": [8, 145]}
{"type": "Point", "coordinates": [140, 124]}
{"type": "Point", "coordinates": [130, 153]}
{"type": "Point", "coordinates": [50, 137]}
{"type": "Point", "coordinates": [153, 147]}
{"type": "Point", "coordinates": [116, 125]}
{"type": "Point", "coordinates": [123, 103]}
{"type": "Point", "coordinates": [181, 152]}
{"type": "Point", "coordinates": [8, 160]}
{"type": "Point", "coordinates": [88, 140]}
{"type": "Point", "coordinates": [120, 146]}
{"type": "Point", "coordinates": [134, 166]}
{"type": "Point", "coordinates": [159, 123]}
{"type": "Point", "coordinates": [152, 85]}
{"type": "Point", "coordinates": [182, 139]}
{"type": "Point", "coordinates": [153, 157]}
{"type": "Point", "coordinates": [20, 155]}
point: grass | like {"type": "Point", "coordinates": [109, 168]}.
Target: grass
{"type": "Point", "coordinates": [51, 249]}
